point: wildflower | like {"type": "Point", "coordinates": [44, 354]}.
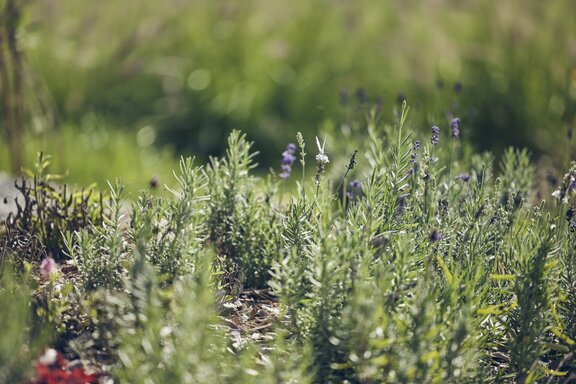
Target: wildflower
{"type": "Point", "coordinates": [435, 235]}
{"type": "Point", "coordinates": [321, 161]}
{"type": "Point", "coordinates": [288, 158]}
{"type": "Point", "coordinates": [479, 212]}
{"type": "Point", "coordinates": [48, 268]}
{"type": "Point", "coordinates": [154, 182]}
{"type": "Point", "coordinates": [400, 98]}
{"type": "Point", "coordinates": [570, 212]}
{"type": "Point", "coordinates": [458, 87]}
{"type": "Point", "coordinates": [355, 184]}
{"type": "Point", "coordinates": [455, 126]}
{"type": "Point", "coordinates": [401, 204]}
{"type": "Point", "coordinates": [53, 368]}
{"type": "Point", "coordinates": [49, 357]}
{"type": "Point", "coordinates": [551, 179]}
{"type": "Point", "coordinates": [464, 177]}
{"type": "Point", "coordinates": [567, 186]}
{"type": "Point", "coordinates": [322, 158]}
{"type": "Point", "coordinates": [435, 139]}
{"type": "Point", "coordinates": [415, 148]}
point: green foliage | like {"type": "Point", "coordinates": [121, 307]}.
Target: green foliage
{"type": "Point", "coordinates": [430, 269]}
{"type": "Point", "coordinates": [180, 345]}
{"type": "Point", "coordinates": [171, 233]}
{"type": "Point", "coordinates": [272, 69]}
{"type": "Point", "coordinates": [46, 213]}
{"type": "Point", "coordinates": [241, 222]}
{"type": "Point", "coordinates": [99, 254]}
{"type": "Point", "coordinates": [21, 338]}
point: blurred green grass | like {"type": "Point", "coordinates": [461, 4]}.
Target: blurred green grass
{"type": "Point", "coordinates": [100, 154]}
{"type": "Point", "coordinates": [187, 73]}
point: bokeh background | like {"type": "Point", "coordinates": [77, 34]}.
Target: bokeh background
{"type": "Point", "coordinates": [123, 88]}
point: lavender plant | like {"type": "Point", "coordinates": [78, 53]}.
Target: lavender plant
{"type": "Point", "coordinates": [241, 224]}
{"type": "Point", "coordinates": [420, 276]}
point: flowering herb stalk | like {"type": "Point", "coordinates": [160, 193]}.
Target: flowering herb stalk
{"type": "Point", "coordinates": [321, 161]}
{"type": "Point", "coordinates": [288, 159]}
{"type": "Point", "coordinates": [455, 128]}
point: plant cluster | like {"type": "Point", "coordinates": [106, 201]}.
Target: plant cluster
{"type": "Point", "coordinates": [432, 265]}
{"type": "Point", "coordinates": [46, 214]}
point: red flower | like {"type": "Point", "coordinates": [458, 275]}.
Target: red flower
{"type": "Point", "coordinates": [52, 369]}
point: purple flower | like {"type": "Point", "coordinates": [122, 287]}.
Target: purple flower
{"type": "Point", "coordinates": [570, 212]}
{"type": "Point", "coordinates": [288, 158]}
{"type": "Point", "coordinates": [415, 147]}
{"type": "Point", "coordinates": [48, 268]}
{"type": "Point", "coordinates": [458, 87]}
{"type": "Point", "coordinates": [464, 177]}
{"type": "Point", "coordinates": [355, 184]}
{"type": "Point", "coordinates": [435, 235]}
{"type": "Point", "coordinates": [435, 139]}
{"type": "Point", "coordinates": [455, 126]}
{"type": "Point", "coordinates": [572, 185]}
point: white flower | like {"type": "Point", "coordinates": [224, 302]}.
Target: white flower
{"type": "Point", "coordinates": [49, 357]}
{"type": "Point", "coordinates": [322, 158]}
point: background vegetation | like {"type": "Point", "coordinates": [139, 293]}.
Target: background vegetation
{"type": "Point", "coordinates": [176, 77]}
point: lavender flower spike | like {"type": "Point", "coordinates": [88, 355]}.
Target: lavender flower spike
{"type": "Point", "coordinates": [455, 126]}
{"type": "Point", "coordinates": [321, 161]}
{"type": "Point", "coordinates": [435, 139]}
{"type": "Point", "coordinates": [288, 158]}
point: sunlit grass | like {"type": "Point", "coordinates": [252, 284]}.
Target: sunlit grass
{"type": "Point", "coordinates": [98, 155]}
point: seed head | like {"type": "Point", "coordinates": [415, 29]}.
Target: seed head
{"type": "Point", "coordinates": [353, 161]}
